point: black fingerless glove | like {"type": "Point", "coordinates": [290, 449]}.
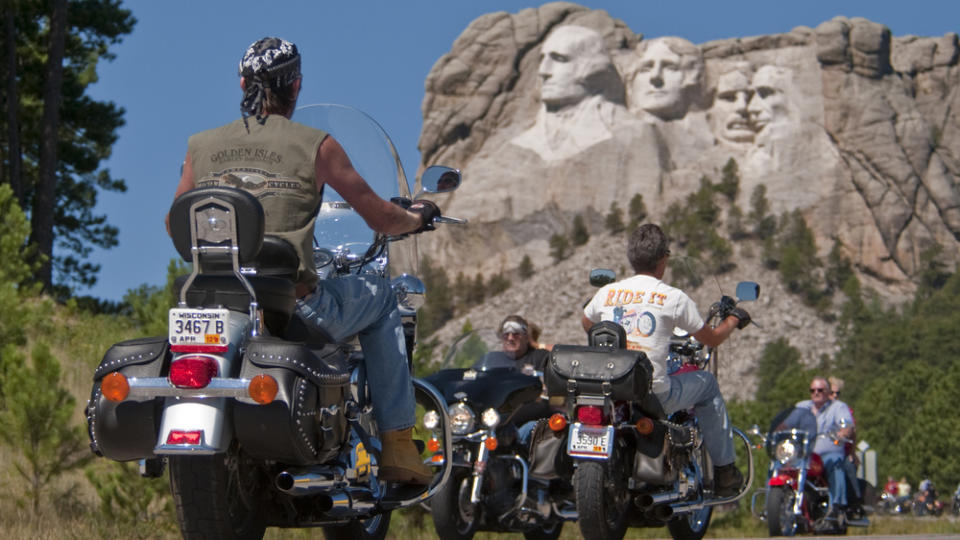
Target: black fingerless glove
{"type": "Point", "coordinates": [741, 315]}
{"type": "Point", "coordinates": [428, 210]}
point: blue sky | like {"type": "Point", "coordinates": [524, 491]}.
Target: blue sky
{"type": "Point", "coordinates": [176, 75]}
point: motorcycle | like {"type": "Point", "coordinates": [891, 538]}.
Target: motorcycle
{"type": "Point", "coordinates": [260, 418]}
{"type": "Point", "coordinates": [927, 503]}
{"type": "Point", "coordinates": [630, 464]}
{"type": "Point", "coordinates": [491, 487]}
{"type": "Point", "coordinates": [797, 498]}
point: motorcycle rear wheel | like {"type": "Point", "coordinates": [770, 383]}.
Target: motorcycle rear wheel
{"type": "Point", "coordinates": [603, 502]}
{"type": "Point", "coordinates": [780, 517]}
{"type": "Point", "coordinates": [216, 496]}
{"type": "Point", "coordinates": [454, 518]}
{"type": "Point", "coordinates": [374, 528]}
{"type": "Point", "coordinates": [692, 526]}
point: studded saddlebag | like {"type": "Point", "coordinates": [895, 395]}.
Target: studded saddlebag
{"type": "Point", "coordinates": [127, 430]}
{"type": "Point", "coordinates": [618, 373]}
{"type": "Point", "coordinates": [305, 423]}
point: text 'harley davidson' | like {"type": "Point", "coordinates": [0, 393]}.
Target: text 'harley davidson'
{"type": "Point", "coordinates": [631, 464]}
{"type": "Point", "coordinates": [797, 498]}
{"type": "Point", "coordinates": [260, 418]}
{"type": "Point", "coordinates": [492, 486]}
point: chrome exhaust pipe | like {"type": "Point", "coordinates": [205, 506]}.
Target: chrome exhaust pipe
{"type": "Point", "coordinates": [301, 483]}
{"type": "Point", "coordinates": [660, 512]}
{"type": "Point", "coordinates": [649, 500]}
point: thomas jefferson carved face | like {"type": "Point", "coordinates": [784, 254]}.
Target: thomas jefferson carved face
{"type": "Point", "coordinates": [730, 109]}
{"type": "Point", "coordinates": [569, 57]}
{"type": "Point", "coordinates": [667, 77]}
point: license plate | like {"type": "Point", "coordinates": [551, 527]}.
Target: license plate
{"type": "Point", "coordinates": [590, 442]}
{"type": "Point", "coordinates": [207, 327]}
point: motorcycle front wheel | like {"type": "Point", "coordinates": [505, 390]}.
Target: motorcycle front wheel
{"type": "Point", "coordinates": [603, 501]}
{"type": "Point", "coordinates": [780, 517]}
{"type": "Point", "coordinates": [454, 517]}
{"type": "Point", "coordinates": [216, 496]}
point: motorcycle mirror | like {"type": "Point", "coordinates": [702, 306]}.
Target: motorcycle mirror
{"type": "Point", "coordinates": [602, 276]}
{"type": "Point", "coordinates": [440, 179]}
{"type": "Point", "coordinates": [748, 291]}
{"type": "Point", "coordinates": [754, 430]}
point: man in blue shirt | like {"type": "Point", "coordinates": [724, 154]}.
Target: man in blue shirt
{"type": "Point", "coordinates": [834, 424]}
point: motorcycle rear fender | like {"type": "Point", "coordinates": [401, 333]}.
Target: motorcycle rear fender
{"type": "Point", "coordinates": [206, 415]}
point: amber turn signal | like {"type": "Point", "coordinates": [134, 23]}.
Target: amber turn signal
{"type": "Point", "coordinates": [557, 422]}
{"type": "Point", "coordinates": [644, 426]}
{"type": "Point", "coordinates": [436, 458]}
{"type": "Point", "coordinates": [115, 387]}
{"type": "Point", "coordinates": [262, 389]}
{"type": "Point", "coordinates": [433, 445]}
{"type": "Point", "coordinates": [490, 443]}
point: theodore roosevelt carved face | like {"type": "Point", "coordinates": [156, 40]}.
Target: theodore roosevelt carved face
{"type": "Point", "coordinates": [666, 80]}
{"type": "Point", "coordinates": [769, 104]}
{"type": "Point", "coordinates": [730, 114]}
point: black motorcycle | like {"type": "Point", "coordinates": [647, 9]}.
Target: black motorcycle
{"type": "Point", "coordinates": [491, 486]}
{"type": "Point", "coordinates": [262, 420]}
{"type": "Point", "coordinates": [631, 464]}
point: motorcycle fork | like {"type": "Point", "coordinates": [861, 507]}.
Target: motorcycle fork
{"type": "Point", "coordinates": [801, 483]}
{"type": "Point", "coordinates": [479, 467]}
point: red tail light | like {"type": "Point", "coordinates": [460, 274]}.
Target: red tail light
{"type": "Point", "coordinates": [185, 437]}
{"type": "Point", "coordinates": [590, 415]}
{"type": "Point", "coordinates": [192, 371]}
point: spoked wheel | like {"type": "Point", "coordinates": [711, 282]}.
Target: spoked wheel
{"type": "Point", "coordinates": [780, 517]}
{"type": "Point", "coordinates": [374, 528]}
{"type": "Point", "coordinates": [602, 500]}
{"type": "Point", "coordinates": [454, 517]}
{"type": "Point", "coordinates": [691, 526]}
{"type": "Point", "coordinates": [216, 496]}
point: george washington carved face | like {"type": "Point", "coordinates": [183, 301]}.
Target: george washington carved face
{"type": "Point", "coordinates": [573, 61]}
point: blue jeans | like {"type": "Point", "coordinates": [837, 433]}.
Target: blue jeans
{"type": "Point", "coordinates": [699, 389]}
{"type": "Point", "coordinates": [366, 306]}
{"type": "Point", "coordinates": [836, 476]}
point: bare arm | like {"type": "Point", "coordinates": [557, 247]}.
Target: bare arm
{"type": "Point", "coordinates": [711, 336]}
{"type": "Point", "coordinates": [333, 167]}
{"type": "Point", "coordinates": [185, 185]}
{"type": "Point", "coordinates": [587, 323]}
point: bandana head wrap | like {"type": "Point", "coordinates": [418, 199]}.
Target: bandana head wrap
{"type": "Point", "coordinates": [268, 63]}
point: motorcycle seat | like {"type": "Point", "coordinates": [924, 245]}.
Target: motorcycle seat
{"type": "Point", "coordinates": [276, 296]}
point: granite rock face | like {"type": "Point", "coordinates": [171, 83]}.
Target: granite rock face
{"type": "Point", "coordinates": [562, 110]}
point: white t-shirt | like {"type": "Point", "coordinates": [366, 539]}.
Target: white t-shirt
{"type": "Point", "coordinates": [648, 309]}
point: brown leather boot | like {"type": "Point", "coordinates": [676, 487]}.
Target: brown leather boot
{"type": "Point", "coordinates": [400, 461]}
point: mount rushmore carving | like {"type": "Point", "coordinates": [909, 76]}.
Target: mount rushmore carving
{"type": "Point", "coordinates": [562, 110]}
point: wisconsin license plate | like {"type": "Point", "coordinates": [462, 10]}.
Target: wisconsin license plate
{"type": "Point", "coordinates": [590, 442]}
{"type": "Point", "coordinates": [199, 327]}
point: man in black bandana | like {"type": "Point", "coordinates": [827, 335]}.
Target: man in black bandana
{"type": "Point", "coordinates": [299, 161]}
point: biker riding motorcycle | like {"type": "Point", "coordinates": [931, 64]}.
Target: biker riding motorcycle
{"type": "Point", "coordinates": [649, 310]}
{"type": "Point", "coordinates": [286, 165]}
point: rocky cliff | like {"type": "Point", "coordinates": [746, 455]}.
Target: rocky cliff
{"type": "Point", "coordinates": [562, 110]}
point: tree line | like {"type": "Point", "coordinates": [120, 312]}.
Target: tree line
{"type": "Point", "coordinates": [53, 136]}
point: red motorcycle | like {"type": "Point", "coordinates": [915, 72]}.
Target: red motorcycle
{"type": "Point", "coordinates": [797, 497]}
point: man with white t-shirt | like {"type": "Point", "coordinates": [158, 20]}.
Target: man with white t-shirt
{"type": "Point", "coordinates": [649, 310]}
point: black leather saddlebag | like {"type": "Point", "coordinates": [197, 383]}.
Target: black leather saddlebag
{"type": "Point", "coordinates": [620, 374]}
{"type": "Point", "coordinates": [127, 430]}
{"type": "Point", "coordinates": [305, 423]}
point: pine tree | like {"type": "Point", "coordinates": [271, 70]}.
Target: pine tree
{"type": "Point", "coordinates": [579, 235]}
{"type": "Point", "coordinates": [614, 219]}
{"type": "Point", "coordinates": [558, 247]}
{"type": "Point", "coordinates": [637, 212]}
{"type": "Point", "coordinates": [526, 268]}
{"type": "Point", "coordinates": [37, 422]}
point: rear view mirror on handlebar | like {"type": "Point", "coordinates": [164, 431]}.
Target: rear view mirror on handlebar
{"type": "Point", "coordinates": [439, 179]}
{"type": "Point", "coordinates": [748, 291]}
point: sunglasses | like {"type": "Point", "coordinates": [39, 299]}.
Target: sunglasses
{"type": "Point", "coordinates": [816, 390]}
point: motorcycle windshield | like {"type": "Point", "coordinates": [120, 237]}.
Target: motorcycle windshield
{"type": "Point", "coordinates": [794, 418]}
{"type": "Point", "coordinates": [339, 228]}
